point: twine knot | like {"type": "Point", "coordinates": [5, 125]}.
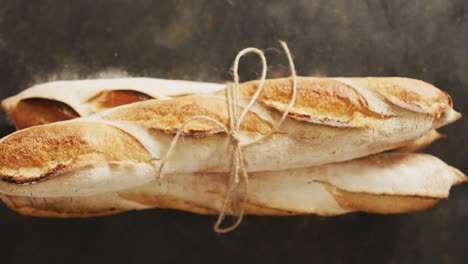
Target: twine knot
{"type": "Point", "coordinates": [235, 139]}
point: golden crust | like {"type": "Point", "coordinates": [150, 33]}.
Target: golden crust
{"type": "Point", "coordinates": [168, 115]}
{"type": "Point", "coordinates": [46, 151]}
{"type": "Point", "coordinates": [411, 94]}
{"type": "Point", "coordinates": [163, 201]}
{"type": "Point", "coordinates": [354, 202]}
{"type": "Point", "coordinates": [113, 98]}
{"type": "Point", "coordinates": [380, 203]}
{"type": "Point", "coordinates": [318, 100]}
{"type": "Point", "coordinates": [39, 207]}
{"type": "Point", "coordinates": [168, 202]}
{"type": "Point", "coordinates": [32, 111]}
{"type": "Point", "coordinates": [331, 102]}
{"type": "Point", "coordinates": [37, 111]}
{"type": "Point", "coordinates": [49, 213]}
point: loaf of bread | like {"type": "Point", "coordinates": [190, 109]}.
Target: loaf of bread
{"type": "Point", "coordinates": [332, 120]}
{"type": "Point", "coordinates": [350, 97]}
{"type": "Point", "coordinates": [385, 183]}
{"type": "Point", "coordinates": [64, 100]}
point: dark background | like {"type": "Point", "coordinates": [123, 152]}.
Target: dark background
{"type": "Point", "coordinates": [197, 40]}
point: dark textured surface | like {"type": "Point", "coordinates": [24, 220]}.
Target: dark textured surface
{"type": "Point", "coordinates": [47, 40]}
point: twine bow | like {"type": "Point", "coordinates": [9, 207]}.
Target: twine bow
{"type": "Point", "coordinates": [235, 120]}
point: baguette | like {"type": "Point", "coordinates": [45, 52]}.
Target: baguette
{"type": "Point", "coordinates": [385, 183]}
{"type": "Point", "coordinates": [350, 97]}
{"type": "Point", "coordinates": [64, 100]}
{"type": "Point", "coordinates": [330, 122]}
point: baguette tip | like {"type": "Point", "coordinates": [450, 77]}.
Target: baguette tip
{"type": "Point", "coordinates": [448, 117]}
{"type": "Point", "coordinates": [6, 104]}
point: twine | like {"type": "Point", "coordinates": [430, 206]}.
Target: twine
{"type": "Point", "coordinates": [237, 163]}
